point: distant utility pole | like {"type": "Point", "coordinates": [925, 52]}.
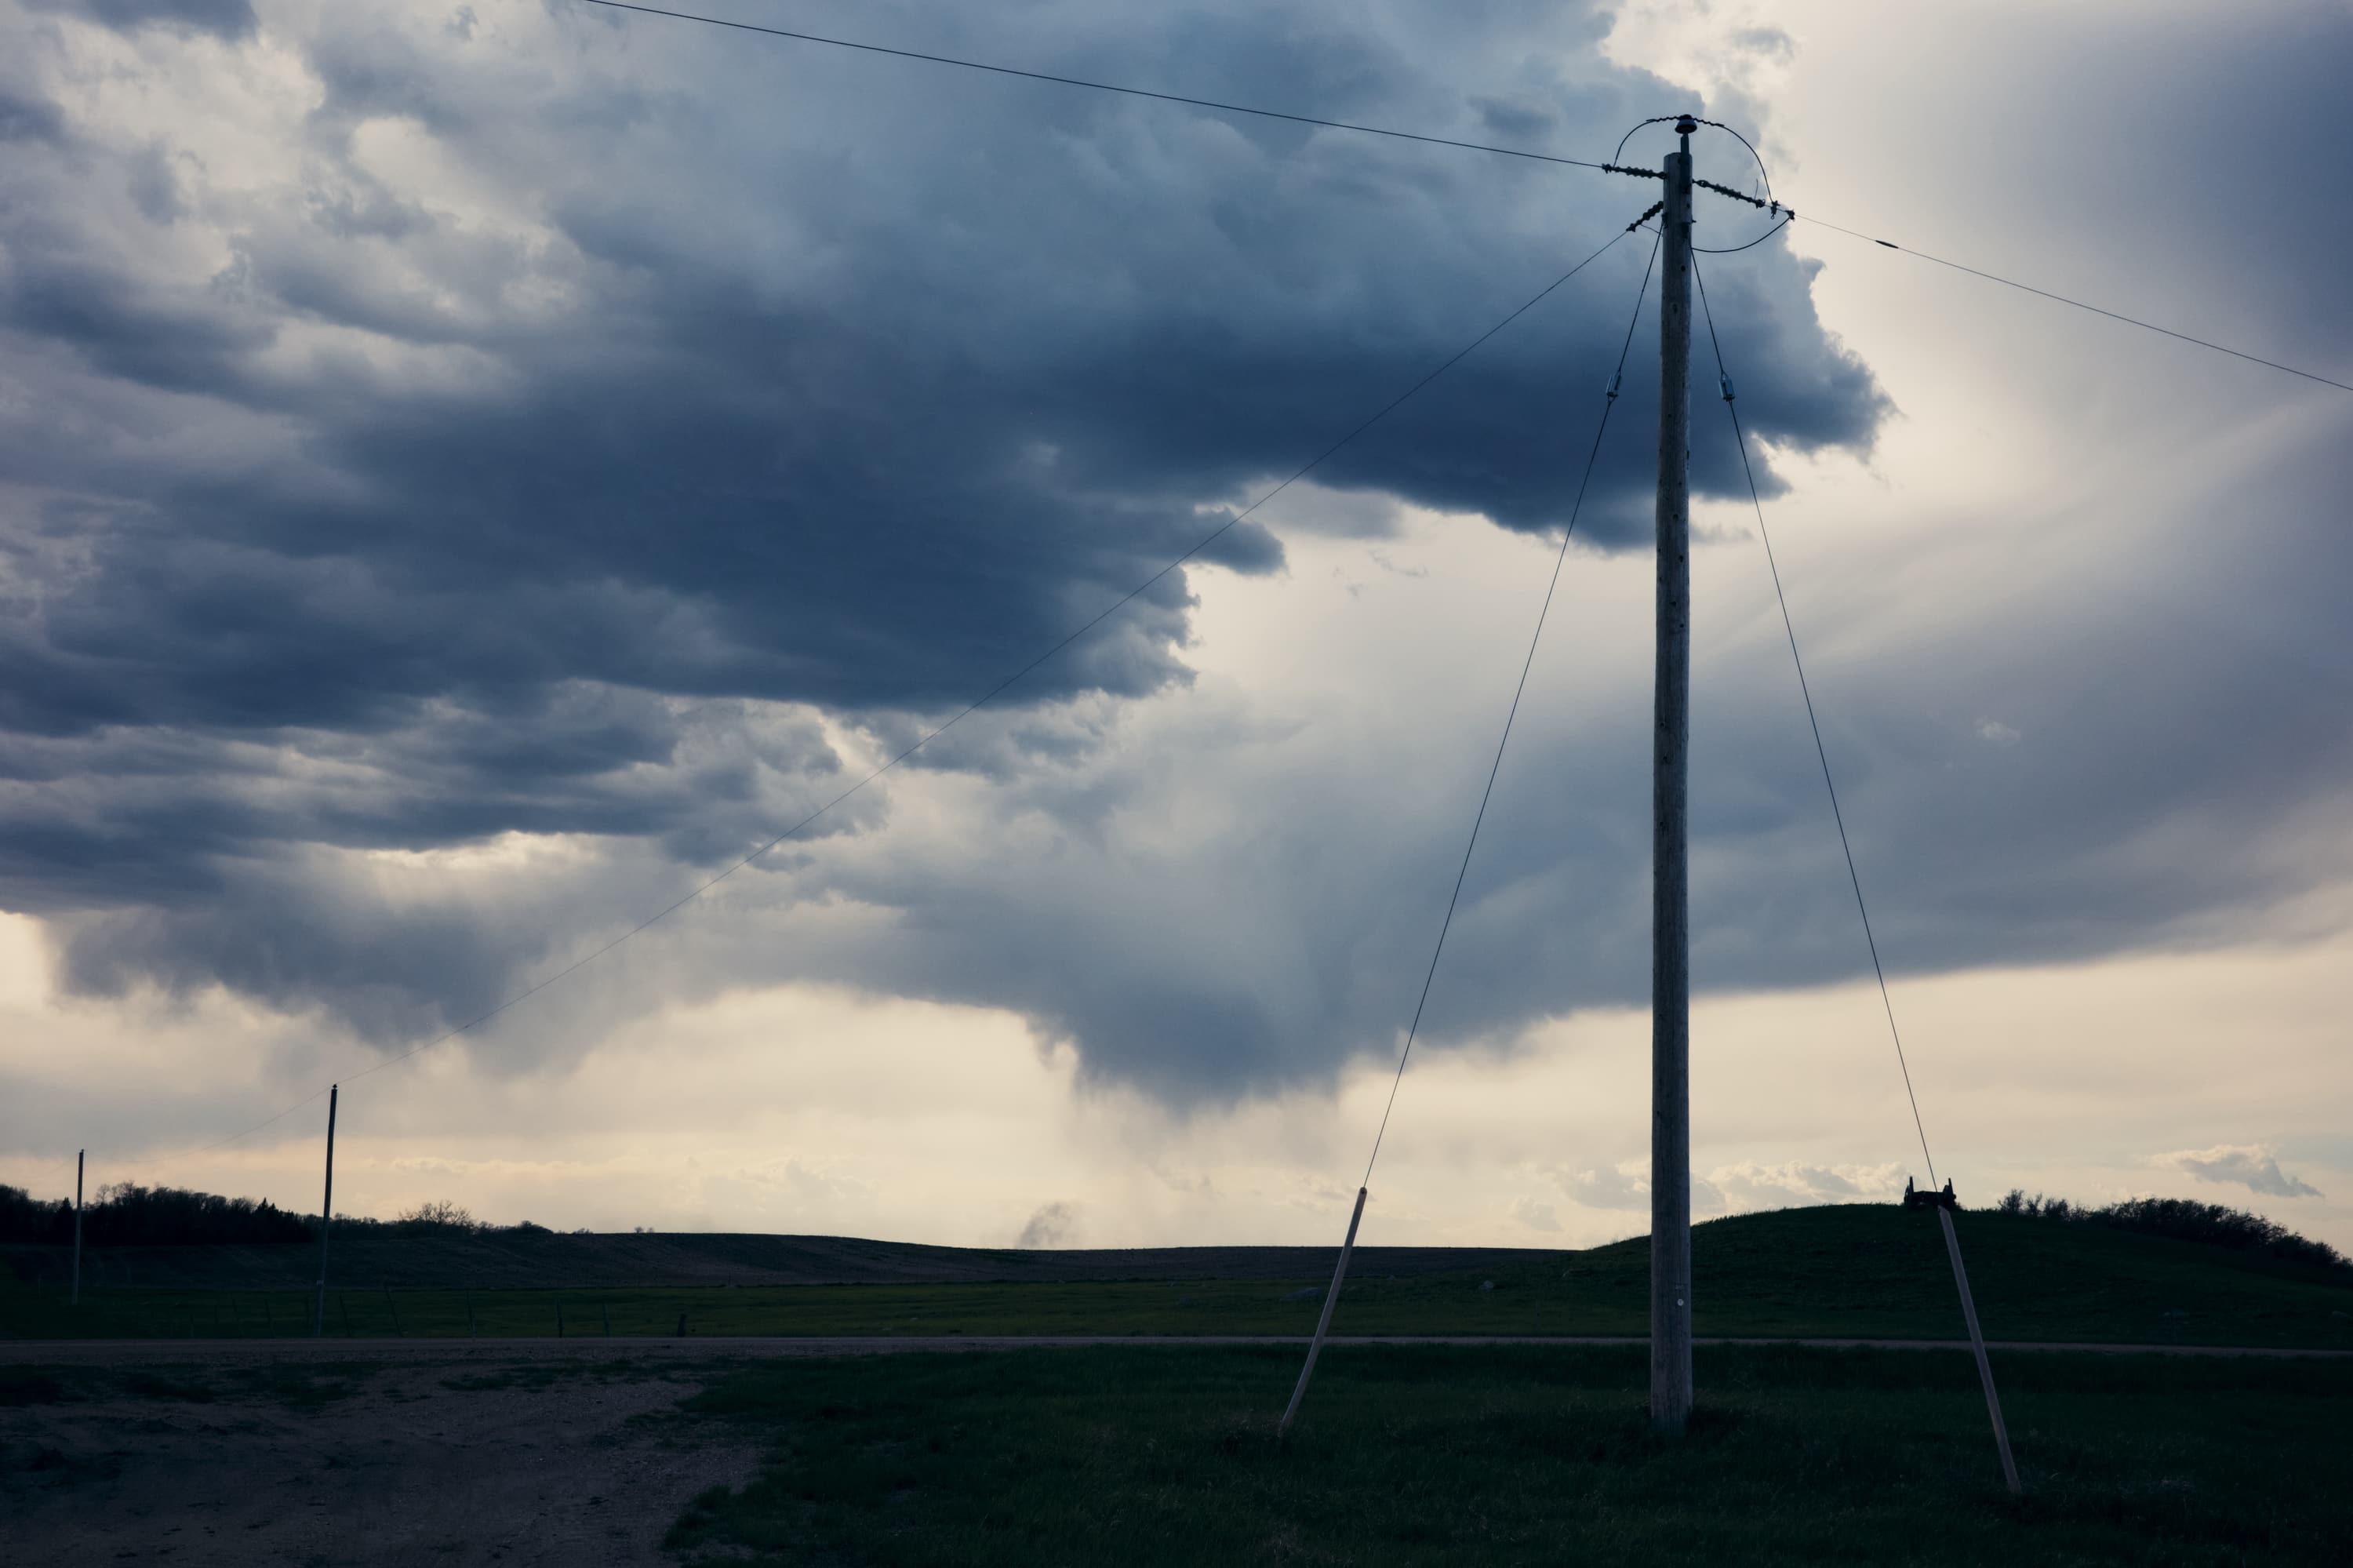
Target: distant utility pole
{"type": "Point", "coordinates": [1670, 1330]}
{"type": "Point", "coordinates": [80, 1157]}
{"type": "Point", "coordinates": [326, 1215]}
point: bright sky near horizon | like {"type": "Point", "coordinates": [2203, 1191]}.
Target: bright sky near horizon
{"type": "Point", "coordinates": [471, 471]}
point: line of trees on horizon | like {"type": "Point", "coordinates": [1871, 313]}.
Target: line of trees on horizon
{"type": "Point", "coordinates": [126, 1214]}
{"type": "Point", "coordinates": [2182, 1219]}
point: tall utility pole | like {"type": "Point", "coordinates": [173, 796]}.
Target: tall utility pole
{"type": "Point", "coordinates": [79, 1156]}
{"type": "Point", "coordinates": [326, 1216]}
{"type": "Point", "coordinates": [1671, 1332]}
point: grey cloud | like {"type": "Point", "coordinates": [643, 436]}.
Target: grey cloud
{"type": "Point", "coordinates": [775, 385]}
{"type": "Point", "coordinates": [26, 118]}
{"type": "Point", "coordinates": [415, 518]}
{"type": "Point", "coordinates": [228, 18]}
{"type": "Point", "coordinates": [2252, 1166]}
{"type": "Point", "coordinates": [1534, 1215]}
{"type": "Point", "coordinates": [1286, 935]}
{"type": "Point", "coordinates": [1616, 1187]}
{"type": "Point", "coordinates": [1050, 1226]}
{"type": "Point", "coordinates": [1751, 1184]}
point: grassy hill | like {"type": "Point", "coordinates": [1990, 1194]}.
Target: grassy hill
{"type": "Point", "coordinates": [540, 1259]}
{"type": "Point", "coordinates": [1867, 1271]}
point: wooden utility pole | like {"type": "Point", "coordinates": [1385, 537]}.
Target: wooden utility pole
{"type": "Point", "coordinates": [79, 1156]}
{"type": "Point", "coordinates": [326, 1217]}
{"type": "Point", "coordinates": [1671, 1332]}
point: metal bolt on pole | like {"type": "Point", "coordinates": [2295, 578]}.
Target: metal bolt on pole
{"type": "Point", "coordinates": [326, 1218]}
{"type": "Point", "coordinates": [1670, 1330]}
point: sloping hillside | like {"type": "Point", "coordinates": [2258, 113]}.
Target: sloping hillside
{"type": "Point", "coordinates": [505, 1260]}
{"type": "Point", "coordinates": [1873, 1271]}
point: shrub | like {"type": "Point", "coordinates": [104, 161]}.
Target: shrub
{"type": "Point", "coordinates": [437, 1216]}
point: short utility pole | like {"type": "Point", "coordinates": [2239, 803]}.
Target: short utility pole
{"type": "Point", "coordinates": [80, 1157]}
{"type": "Point", "coordinates": [326, 1216]}
{"type": "Point", "coordinates": [1670, 1324]}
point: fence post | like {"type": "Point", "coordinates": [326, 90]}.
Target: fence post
{"type": "Point", "coordinates": [471, 1331]}
{"type": "Point", "coordinates": [393, 1307]}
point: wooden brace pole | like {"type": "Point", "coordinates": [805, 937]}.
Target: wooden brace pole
{"type": "Point", "coordinates": [1977, 1343]}
{"type": "Point", "coordinates": [1324, 1323]}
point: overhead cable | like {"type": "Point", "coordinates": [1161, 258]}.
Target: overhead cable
{"type": "Point", "coordinates": [1348, 1244]}
{"type": "Point", "coordinates": [1609, 167]}
{"type": "Point", "coordinates": [1103, 86]}
{"type": "Point", "coordinates": [2085, 305]}
{"type": "Point", "coordinates": [1608, 404]}
{"type": "Point", "coordinates": [1724, 377]}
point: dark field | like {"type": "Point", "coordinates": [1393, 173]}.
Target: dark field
{"type": "Point", "coordinates": [1865, 1272]}
{"type": "Point", "coordinates": [212, 1452]}
{"type": "Point", "coordinates": [1492, 1453]}
{"type": "Point", "coordinates": [1512, 1455]}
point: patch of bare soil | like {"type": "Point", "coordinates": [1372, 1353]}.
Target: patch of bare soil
{"type": "Point", "coordinates": [329, 1465]}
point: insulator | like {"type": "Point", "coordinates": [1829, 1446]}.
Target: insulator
{"type": "Point", "coordinates": [1727, 387]}
{"type": "Point", "coordinates": [1615, 378]}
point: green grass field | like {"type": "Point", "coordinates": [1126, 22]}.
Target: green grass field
{"type": "Point", "coordinates": [1404, 1455]}
{"type": "Point", "coordinates": [1865, 1271]}
{"type": "Point", "coordinates": [1510, 1454]}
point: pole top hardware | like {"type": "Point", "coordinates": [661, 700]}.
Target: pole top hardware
{"type": "Point", "coordinates": [1686, 125]}
{"type": "Point", "coordinates": [1932, 1199]}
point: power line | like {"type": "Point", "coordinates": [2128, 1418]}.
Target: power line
{"type": "Point", "coordinates": [1099, 86]}
{"type": "Point", "coordinates": [928, 737]}
{"type": "Point", "coordinates": [2082, 305]}
{"type": "Point", "coordinates": [1609, 404]}
{"type": "Point", "coordinates": [1489, 147]}
{"type": "Point", "coordinates": [1820, 753]}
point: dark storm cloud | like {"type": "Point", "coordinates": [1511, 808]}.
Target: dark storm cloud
{"type": "Point", "coordinates": [2137, 791]}
{"type": "Point", "coordinates": [855, 399]}
{"type": "Point", "coordinates": [229, 18]}
{"type": "Point", "coordinates": [2077, 753]}
{"type": "Point", "coordinates": [709, 380]}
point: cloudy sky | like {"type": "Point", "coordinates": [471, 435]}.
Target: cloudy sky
{"type": "Point", "coordinates": [474, 473]}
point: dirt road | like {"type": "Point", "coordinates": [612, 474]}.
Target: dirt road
{"type": "Point", "coordinates": [211, 1466]}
